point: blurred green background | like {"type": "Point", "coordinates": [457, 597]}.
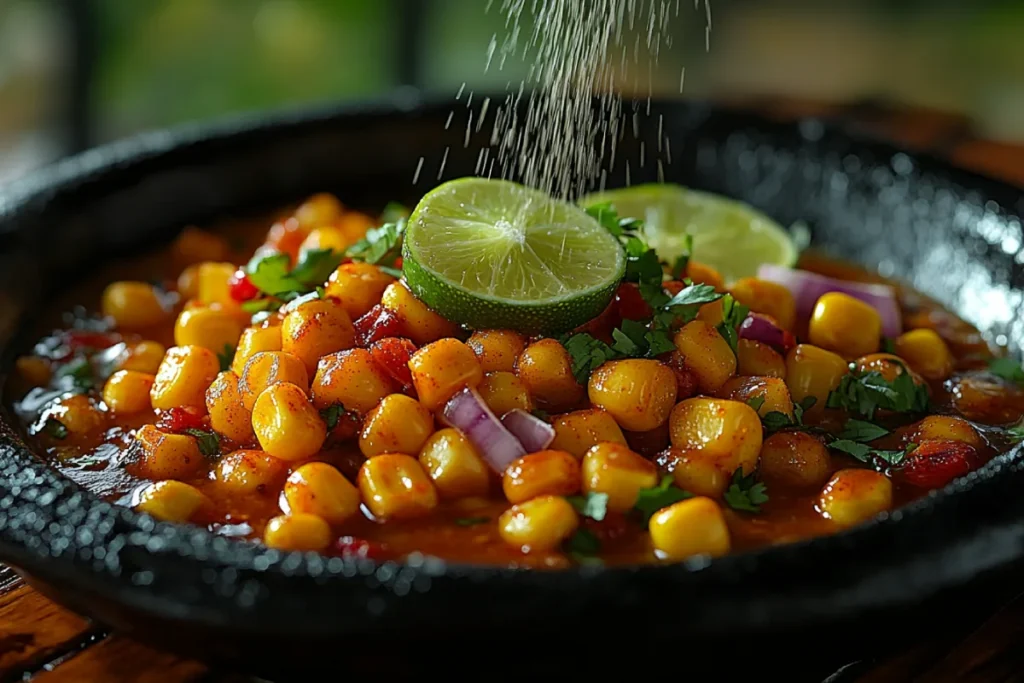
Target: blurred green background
{"type": "Point", "coordinates": [74, 73]}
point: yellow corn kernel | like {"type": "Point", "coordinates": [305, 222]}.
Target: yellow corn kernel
{"type": "Point", "coordinates": [504, 391]}
{"type": "Point", "coordinates": [32, 371]}
{"type": "Point", "coordinates": [926, 353]}
{"type": "Point", "coordinates": [794, 460]}
{"type": "Point", "coordinates": [322, 208]}
{"type": "Point", "coordinates": [183, 376]}
{"type": "Point", "coordinates": [188, 283]}
{"type": "Point", "coordinates": [703, 274]}
{"type": "Point", "coordinates": [695, 526]}
{"type": "Point", "coordinates": [613, 469]}
{"type": "Point", "coordinates": [944, 428]}
{"type": "Point", "coordinates": [359, 287]}
{"type": "Point", "coordinates": [546, 369]}
{"type": "Point", "coordinates": [813, 371]}
{"type": "Point", "coordinates": [353, 379]}
{"type": "Point", "coordinates": [639, 394]}
{"type": "Point", "coordinates": [133, 305]}
{"type": "Point", "coordinates": [769, 298]}
{"type": "Point", "coordinates": [356, 224]}
{"type": "Point", "coordinates": [252, 341]}
{"type": "Point", "coordinates": [303, 532]}
{"type": "Point", "coordinates": [554, 473]}
{"type": "Point", "coordinates": [286, 423]}
{"type": "Point", "coordinates": [772, 392]}
{"type": "Point", "coordinates": [579, 431]}
{"type": "Point", "coordinates": [127, 392]}
{"type": "Point", "coordinates": [454, 466]}
{"type": "Point", "coordinates": [398, 424]}
{"type": "Point", "coordinates": [171, 501]}
{"type": "Point", "coordinates": [422, 324]}
{"type": "Point", "coordinates": [145, 356]}
{"type": "Point", "coordinates": [497, 349]}
{"type": "Point", "coordinates": [213, 283]}
{"type": "Point", "coordinates": [442, 368]}
{"type": "Point", "coordinates": [228, 415]}
{"type": "Point", "coordinates": [326, 237]}
{"type": "Point", "coordinates": [316, 328]}
{"type": "Point", "coordinates": [248, 472]}
{"type": "Point", "coordinates": [394, 486]}
{"type": "Point", "coordinates": [888, 365]}
{"type": "Point", "coordinates": [854, 496]}
{"type": "Point", "coordinates": [538, 525]}
{"type": "Point", "coordinates": [194, 245]}
{"type": "Point", "coordinates": [319, 489]}
{"type": "Point", "coordinates": [78, 413]}
{"type": "Point", "coordinates": [754, 358]}
{"type": "Point", "coordinates": [845, 325]}
{"type": "Point", "coordinates": [266, 368]}
{"type": "Point", "coordinates": [706, 354]}
{"type": "Point", "coordinates": [168, 456]}
{"type": "Point", "coordinates": [208, 327]}
{"type": "Point", "coordinates": [695, 472]}
{"type": "Point", "coordinates": [727, 432]}
{"type": "Point", "coordinates": [712, 313]}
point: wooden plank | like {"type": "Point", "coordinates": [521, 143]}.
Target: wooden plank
{"type": "Point", "coordinates": [121, 660]}
{"type": "Point", "coordinates": [33, 629]}
{"type": "Point", "coordinates": [1003, 160]}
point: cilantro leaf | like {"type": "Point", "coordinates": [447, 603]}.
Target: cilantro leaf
{"type": "Point", "coordinates": [888, 345]}
{"type": "Point", "coordinates": [77, 374]}
{"type": "Point", "coordinates": [633, 339]}
{"type": "Point", "coordinates": [54, 428]}
{"type": "Point", "coordinates": [755, 402]}
{"type": "Point", "coordinates": [802, 407]}
{"type": "Point", "coordinates": [260, 305]}
{"type": "Point", "coordinates": [394, 212]}
{"type": "Point", "coordinates": [1008, 369]}
{"type": "Point", "coordinates": [592, 505]}
{"type": "Point", "coordinates": [859, 430]}
{"type": "Point", "coordinates": [683, 260]}
{"type": "Point", "coordinates": [1015, 433]}
{"type": "Point", "coordinates": [649, 501]}
{"type": "Point", "coordinates": [733, 314]}
{"type": "Point", "coordinates": [583, 546]}
{"type": "Point", "coordinates": [745, 493]}
{"type": "Point", "coordinates": [381, 246]}
{"type": "Point", "coordinates": [605, 214]}
{"type": "Point", "coordinates": [332, 414]}
{"type": "Point", "coordinates": [270, 274]}
{"type": "Point", "coordinates": [225, 357]}
{"type": "Point", "coordinates": [472, 521]}
{"type": "Point", "coordinates": [867, 454]}
{"type": "Point", "coordinates": [862, 393]}
{"type": "Point", "coordinates": [694, 295]}
{"type": "Point", "coordinates": [209, 441]}
{"type": "Point", "coordinates": [314, 267]}
{"type": "Point", "coordinates": [642, 264]}
{"type": "Point", "coordinates": [587, 354]}
{"type": "Point", "coordinates": [775, 420]}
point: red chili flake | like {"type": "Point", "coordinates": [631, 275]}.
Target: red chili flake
{"type": "Point", "coordinates": [350, 546]}
{"type": "Point", "coordinates": [933, 464]}
{"type": "Point", "coordinates": [378, 324]}
{"type": "Point", "coordinates": [179, 419]}
{"type": "Point", "coordinates": [240, 287]}
{"type": "Point", "coordinates": [630, 303]}
{"type": "Point", "coordinates": [393, 354]}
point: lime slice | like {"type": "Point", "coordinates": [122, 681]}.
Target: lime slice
{"type": "Point", "coordinates": [728, 235]}
{"type": "Point", "coordinates": [494, 254]}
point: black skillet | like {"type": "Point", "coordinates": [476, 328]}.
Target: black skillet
{"type": "Point", "coordinates": [954, 235]}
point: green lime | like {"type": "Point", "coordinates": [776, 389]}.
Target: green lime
{"type": "Point", "coordinates": [728, 235]}
{"type": "Point", "coordinates": [494, 254]}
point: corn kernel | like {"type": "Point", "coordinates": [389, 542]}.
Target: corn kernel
{"type": "Point", "coordinates": [127, 392]}
{"type": "Point", "coordinates": [399, 424]}
{"type": "Point", "coordinates": [727, 432]}
{"type": "Point", "coordinates": [210, 328]}
{"type": "Point", "coordinates": [285, 237]}
{"type": "Point", "coordinates": [497, 349]}
{"type": "Point", "coordinates": [228, 416]}
{"type": "Point", "coordinates": [326, 237]}
{"type": "Point", "coordinates": [134, 305]}
{"type": "Point", "coordinates": [214, 285]}
{"type": "Point", "coordinates": [322, 208]}
{"type": "Point", "coordinates": [303, 532]}
{"type": "Point", "coordinates": [442, 368]}
{"type": "Point", "coordinates": [579, 431]}
{"type": "Point", "coordinates": [712, 314]}
{"type": "Point", "coordinates": [422, 324]}
{"type": "Point", "coordinates": [253, 340]}
{"type": "Point", "coordinates": [454, 466]}
{"type": "Point", "coordinates": [703, 274]}
{"type": "Point", "coordinates": [887, 365]}
{"type": "Point", "coordinates": [194, 245]}
{"type": "Point", "coordinates": [171, 501]}
{"type": "Point", "coordinates": [359, 287]}
{"type": "Point", "coordinates": [394, 486]}
{"type": "Point", "coordinates": [794, 460]}
{"type": "Point", "coordinates": [78, 413]}
{"type": "Point", "coordinates": [267, 368]}
{"type": "Point", "coordinates": [168, 456]}
{"type": "Point", "coordinates": [286, 424]}
{"type": "Point", "coordinates": [249, 472]}
{"type": "Point", "coordinates": [145, 356]}
{"type": "Point", "coordinates": [538, 525]}
{"type": "Point", "coordinates": [188, 283]}
{"type": "Point", "coordinates": [845, 325]}
{"type": "Point", "coordinates": [639, 394]}
{"type": "Point", "coordinates": [33, 371]}
{"type": "Point", "coordinates": [319, 489]}
{"type": "Point", "coordinates": [695, 526]}
{"type": "Point", "coordinates": [555, 473]}
{"type": "Point", "coordinates": [316, 328]}
{"type": "Point", "coordinates": [855, 495]}
{"type": "Point", "coordinates": [813, 371]}
{"type": "Point", "coordinates": [926, 353]}
{"type": "Point", "coordinates": [546, 369]}
{"type": "Point", "coordinates": [944, 428]}
{"type": "Point", "coordinates": [504, 391]}
{"type": "Point", "coordinates": [613, 469]}
{"type": "Point", "coordinates": [355, 224]}
{"type": "Point", "coordinates": [757, 359]}
{"type": "Point", "coordinates": [706, 354]}
{"type": "Point", "coordinates": [695, 472]}
{"type": "Point", "coordinates": [351, 378]}
{"type": "Point", "coordinates": [183, 376]}
{"type": "Point", "coordinates": [771, 392]}
{"type": "Point", "coordinates": [768, 298]}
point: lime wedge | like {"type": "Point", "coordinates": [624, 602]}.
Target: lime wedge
{"type": "Point", "coordinates": [728, 235]}
{"type": "Point", "coordinates": [494, 254]}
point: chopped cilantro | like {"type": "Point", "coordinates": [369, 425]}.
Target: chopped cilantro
{"type": "Point", "coordinates": [583, 546]}
{"type": "Point", "coordinates": [775, 420]}
{"type": "Point", "coordinates": [861, 431]}
{"type": "Point", "coordinates": [862, 393]}
{"type": "Point", "coordinates": [394, 212]}
{"type": "Point", "coordinates": [270, 274]}
{"type": "Point", "coordinates": [888, 346]}
{"type": "Point", "coordinates": [649, 501]}
{"type": "Point", "coordinates": [260, 305]}
{"type": "Point", "coordinates": [54, 428]}
{"type": "Point", "coordinates": [1016, 433]}
{"type": "Point", "coordinates": [332, 414]}
{"type": "Point", "coordinates": [1008, 369]}
{"type": "Point", "coordinates": [381, 246]}
{"type": "Point", "coordinates": [225, 357]}
{"type": "Point", "coordinates": [733, 314]}
{"type": "Point", "coordinates": [587, 354]}
{"type": "Point", "coordinates": [592, 505]}
{"type": "Point", "coordinates": [608, 217]}
{"type": "Point", "coordinates": [745, 493]}
{"type": "Point", "coordinates": [321, 292]}
{"type": "Point", "coordinates": [78, 373]}
{"type": "Point", "coordinates": [867, 454]}
{"type": "Point", "coordinates": [472, 521]}
{"type": "Point", "coordinates": [755, 402]}
{"type": "Point", "coordinates": [682, 261]}
{"type": "Point", "coordinates": [209, 441]}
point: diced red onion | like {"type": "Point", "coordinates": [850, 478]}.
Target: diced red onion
{"type": "Point", "coordinates": [808, 287]}
{"type": "Point", "coordinates": [761, 328]}
{"type": "Point", "coordinates": [534, 433]}
{"type": "Point", "coordinates": [468, 413]}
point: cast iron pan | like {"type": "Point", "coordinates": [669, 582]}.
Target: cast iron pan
{"type": "Point", "coordinates": [954, 235]}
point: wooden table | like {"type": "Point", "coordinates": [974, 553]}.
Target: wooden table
{"type": "Point", "coordinates": [44, 643]}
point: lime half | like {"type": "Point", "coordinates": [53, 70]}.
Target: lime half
{"type": "Point", "coordinates": [728, 235]}
{"type": "Point", "coordinates": [494, 254]}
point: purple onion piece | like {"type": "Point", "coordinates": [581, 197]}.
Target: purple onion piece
{"type": "Point", "coordinates": [534, 433]}
{"type": "Point", "coordinates": [467, 412]}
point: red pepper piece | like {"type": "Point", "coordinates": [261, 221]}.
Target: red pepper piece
{"type": "Point", "coordinates": [240, 287]}
{"type": "Point", "coordinates": [933, 464]}
{"type": "Point", "coordinates": [393, 354]}
{"type": "Point", "coordinates": [378, 324]}
{"type": "Point", "coordinates": [179, 419]}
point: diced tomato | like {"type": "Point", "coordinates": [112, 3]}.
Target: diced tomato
{"type": "Point", "coordinates": [350, 546]}
{"type": "Point", "coordinates": [614, 526]}
{"type": "Point", "coordinates": [935, 463]}
{"type": "Point", "coordinates": [630, 304]}
{"type": "Point", "coordinates": [686, 381]}
{"type": "Point", "coordinates": [601, 327]}
{"type": "Point", "coordinates": [398, 263]}
{"type": "Point", "coordinates": [673, 287]}
{"type": "Point", "coordinates": [240, 287]}
{"type": "Point", "coordinates": [393, 354]}
{"type": "Point", "coordinates": [80, 339]}
{"type": "Point", "coordinates": [378, 324]}
{"type": "Point", "coordinates": [180, 419]}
